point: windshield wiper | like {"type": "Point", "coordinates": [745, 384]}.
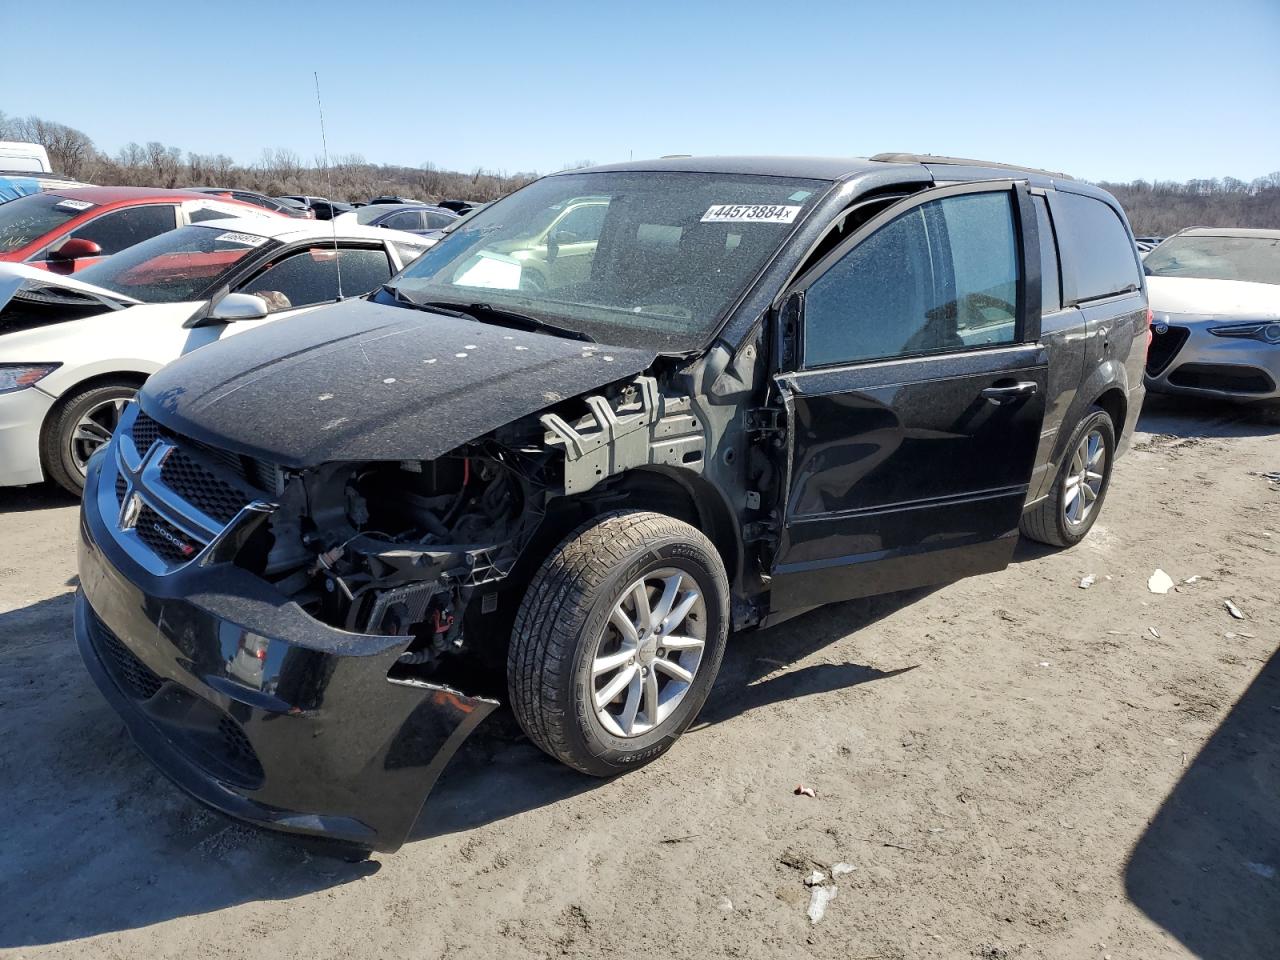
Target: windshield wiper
{"type": "Point", "coordinates": [488, 313]}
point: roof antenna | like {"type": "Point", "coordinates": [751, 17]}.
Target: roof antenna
{"type": "Point", "coordinates": [328, 174]}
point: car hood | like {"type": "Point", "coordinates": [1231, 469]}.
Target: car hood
{"type": "Point", "coordinates": [30, 297]}
{"type": "Point", "coordinates": [364, 381]}
{"type": "Point", "coordinates": [1214, 298]}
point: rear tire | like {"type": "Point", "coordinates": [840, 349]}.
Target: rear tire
{"type": "Point", "coordinates": [80, 424]}
{"type": "Point", "coordinates": [1051, 520]}
{"type": "Point", "coordinates": [570, 643]}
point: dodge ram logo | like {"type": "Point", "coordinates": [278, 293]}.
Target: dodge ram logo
{"type": "Point", "coordinates": [186, 548]}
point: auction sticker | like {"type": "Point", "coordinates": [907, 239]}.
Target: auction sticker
{"type": "Point", "coordinates": [750, 213]}
{"type": "Point", "coordinates": [248, 239]}
{"type": "Point", "coordinates": [76, 205]}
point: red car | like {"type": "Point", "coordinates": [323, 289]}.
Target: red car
{"type": "Point", "coordinates": [66, 230]}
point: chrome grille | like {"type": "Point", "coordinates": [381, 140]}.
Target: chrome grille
{"type": "Point", "coordinates": [145, 432]}
{"type": "Point", "coordinates": [262, 474]}
{"type": "Point", "coordinates": [164, 539]}
{"type": "Point", "coordinates": [200, 487]}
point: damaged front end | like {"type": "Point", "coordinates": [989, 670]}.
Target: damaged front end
{"type": "Point", "coordinates": [277, 641]}
{"type": "Point", "coordinates": [289, 644]}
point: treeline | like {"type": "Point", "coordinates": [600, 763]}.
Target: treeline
{"type": "Point", "coordinates": [278, 172]}
{"type": "Point", "coordinates": [1162, 208]}
{"type": "Point", "coordinates": [1158, 208]}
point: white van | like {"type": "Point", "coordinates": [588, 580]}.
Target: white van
{"type": "Point", "coordinates": [18, 157]}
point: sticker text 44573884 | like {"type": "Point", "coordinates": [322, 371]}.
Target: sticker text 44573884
{"type": "Point", "coordinates": [750, 213]}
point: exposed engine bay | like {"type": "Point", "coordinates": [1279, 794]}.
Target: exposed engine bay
{"type": "Point", "coordinates": [401, 549]}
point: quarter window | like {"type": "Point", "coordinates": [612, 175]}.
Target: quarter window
{"type": "Point", "coordinates": [1097, 248]}
{"type": "Point", "coordinates": [311, 277]}
{"type": "Point", "coordinates": [121, 229]}
{"type": "Point", "coordinates": [942, 276]}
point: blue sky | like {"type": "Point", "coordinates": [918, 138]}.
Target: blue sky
{"type": "Point", "coordinates": [1103, 90]}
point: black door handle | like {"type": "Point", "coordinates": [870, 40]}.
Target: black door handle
{"type": "Point", "coordinates": [1008, 392]}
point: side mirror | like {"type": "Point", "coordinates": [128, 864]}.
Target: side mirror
{"type": "Point", "coordinates": [77, 248]}
{"type": "Point", "coordinates": [238, 306]}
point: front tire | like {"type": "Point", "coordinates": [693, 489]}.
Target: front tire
{"type": "Point", "coordinates": [1065, 516]}
{"type": "Point", "coordinates": [618, 641]}
{"type": "Point", "coordinates": [80, 425]}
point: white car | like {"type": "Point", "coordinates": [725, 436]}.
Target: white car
{"type": "Point", "coordinates": [73, 350]}
{"type": "Point", "coordinates": [1215, 304]}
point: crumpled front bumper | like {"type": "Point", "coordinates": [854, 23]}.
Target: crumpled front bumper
{"type": "Point", "coordinates": [253, 707]}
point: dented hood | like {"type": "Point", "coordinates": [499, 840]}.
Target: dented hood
{"type": "Point", "coordinates": [364, 381]}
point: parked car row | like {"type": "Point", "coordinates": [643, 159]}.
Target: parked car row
{"type": "Point", "coordinates": [67, 230]}
{"type": "Point", "coordinates": [581, 438]}
{"type": "Point", "coordinates": [73, 351]}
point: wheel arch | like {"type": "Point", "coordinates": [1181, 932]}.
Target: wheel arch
{"type": "Point", "coordinates": [134, 377]}
{"type": "Point", "coordinates": [1116, 403]}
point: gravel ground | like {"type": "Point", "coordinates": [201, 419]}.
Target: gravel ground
{"type": "Point", "coordinates": [1012, 766]}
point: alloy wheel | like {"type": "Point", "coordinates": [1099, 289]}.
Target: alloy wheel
{"type": "Point", "coordinates": [1085, 476]}
{"type": "Point", "coordinates": [648, 653]}
{"type": "Point", "coordinates": [94, 429]}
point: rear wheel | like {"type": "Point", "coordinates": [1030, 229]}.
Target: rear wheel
{"type": "Point", "coordinates": [1064, 517]}
{"type": "Point", "coordinates": [80, 426]}
{"type": "Point", "coordinates": [618, 641]}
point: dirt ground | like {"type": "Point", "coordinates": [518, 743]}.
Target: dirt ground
{"type": "Point", "coordinates": [1012, 765]}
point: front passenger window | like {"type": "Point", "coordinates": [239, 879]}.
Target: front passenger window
{"type": "Point", "coordinates": [942, 276]}
{"type": "Point", "coordinates": [311, 277]}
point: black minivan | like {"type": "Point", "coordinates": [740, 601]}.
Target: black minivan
{"type": "Point", "coordinates": [602, 424]}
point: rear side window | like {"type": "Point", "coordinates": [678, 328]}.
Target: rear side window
{"type": "Point", "coordinates": [408, 220]}
{"type": "Point", "coordinates": [942, 276]}
{"type": "Point", "coordinates": [311, 277]}
{"type": "Point", "coordinates": [1050, 278]}
{"type": "Point", "coordinates": [1095, 247]}
{"type": "Point", "coordinates": [437, 221]}
{"type": "Point", "coordinates": [121, 229]}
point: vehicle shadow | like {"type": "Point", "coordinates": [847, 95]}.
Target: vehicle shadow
{"type": "Point", "coordinates": [1193, 418]}
{"type": "Point", "coordinates": [40, 496]}
{"type": "Point", "coordinates": [96, 841]}
{"type": "Point", "coordinates": [499, 774]}
{"type": "Point", "coordinates": [1207, 868]}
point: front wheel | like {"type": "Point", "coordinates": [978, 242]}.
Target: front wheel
{"type": "Point", "coordinates": [618, 640]}
{"type": "Point", "coordinates": [1064, 517]}
{"type": "Point", "coordinates": [81, 425]}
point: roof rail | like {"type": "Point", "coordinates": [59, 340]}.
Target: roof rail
{"type": "Point", "coordinates": [961, 161]}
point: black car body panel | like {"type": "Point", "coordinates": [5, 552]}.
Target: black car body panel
{"type": "Point", "coordinates": [367, 375]}
{"type": "Point", "coordinates": [362, 494]}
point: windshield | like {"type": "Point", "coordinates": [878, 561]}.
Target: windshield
{"type": "Point", "coordinates": [631, 258]}
{"type": "Point", "coordinates": [27, 219]}
{"type": "Point", "coordinates": [1256, 259]}
{"type": "Point", "coordinates": [184, 264]}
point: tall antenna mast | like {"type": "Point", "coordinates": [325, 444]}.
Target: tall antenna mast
{"type": "Point", "coordinates": [328, 175]}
